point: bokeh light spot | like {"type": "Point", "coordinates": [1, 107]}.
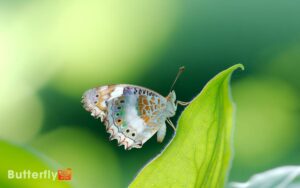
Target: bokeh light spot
{"type": "Point", "coordinates": [266, 123]}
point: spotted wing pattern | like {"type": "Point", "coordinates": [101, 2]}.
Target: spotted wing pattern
{"type": "Point", "coordinates": [131, 114]}
{"type": "Point", "coordinates": [151, 109]}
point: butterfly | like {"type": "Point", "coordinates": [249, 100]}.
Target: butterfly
{"type": "Point", "coordinates": [132, 114]}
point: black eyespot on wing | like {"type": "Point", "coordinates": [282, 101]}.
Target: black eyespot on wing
{"type": "Point", "coordinates": [133, 134]}
{"type": "Point", "coordinates": [118, 121]}
{"type": "Point", "coordinates": [122, 101]}
{"type": "Point", "coordinates": [127, 130]}
{"type": "Point", "coordinates": [119, 107]}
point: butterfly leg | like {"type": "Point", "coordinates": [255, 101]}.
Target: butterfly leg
{"type": "Point", "coordinates": [161, 133]}
{"type": "Point", "coordinates": [182, 103]}
{"type": "Point", "coordinates": [171, 124]}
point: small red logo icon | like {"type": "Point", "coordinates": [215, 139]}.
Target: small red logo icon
{"type": "Point", "coordinates": [64, 174]}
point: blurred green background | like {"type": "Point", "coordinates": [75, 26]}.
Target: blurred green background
{"type": "Point", "coordinates": [52, 51]}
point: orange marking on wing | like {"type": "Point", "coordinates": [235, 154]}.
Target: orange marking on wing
{"type": "Point", "coordinates": [103, 108]}
{"type": "Point", "coordinates": [140, 100]}
{"type": "Point", "coordinates": [155, 113]}
{"type": "Point", "coordinates": [145, 101]}
{"type": "Point", "coordinates": [107, 91]}
{"type": "Point", "coordinates": [151, 124]}
{"type": "Point", "coordinates": [146, 118]}
{"type": "Point", "coordinates": [140, 109]}
{"type": "Point", "coordinates": [152, 100]}
{"type": "Point", "coordinates": [103, 96]}
{"type": "Point", "coordinates": [144, 112]}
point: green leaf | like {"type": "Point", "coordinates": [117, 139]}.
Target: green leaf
{"type": "Point", "coordinates": [18, 159]}
{"type": "Point", "coordinates": [281, 177]}
{"type": "Point", "coordinates": [94, 163]}
{"type": "Point", "coordinates": [200, 152]}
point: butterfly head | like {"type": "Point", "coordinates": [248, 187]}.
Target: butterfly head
{"type": "Point", "coordinates": [171, 106]}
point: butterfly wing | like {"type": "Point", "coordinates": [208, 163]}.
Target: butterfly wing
{"type": "Point", "coordinates": [95, 100]}
{"type": "Point", "coordinates": [131, 114]}
{"type": "Point", "coordinates": [101, 102]}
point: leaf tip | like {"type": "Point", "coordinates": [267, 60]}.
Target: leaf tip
{"type": "Point", "coordinates": [241, 66]}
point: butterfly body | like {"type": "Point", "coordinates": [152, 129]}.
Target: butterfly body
{"type": "Point", "coordinates": [131, 114]}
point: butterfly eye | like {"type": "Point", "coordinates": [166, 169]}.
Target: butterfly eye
{"type": "Point", "coordinates": [119, 108]}
{"type": "Point", "coordinates": [97, 96]}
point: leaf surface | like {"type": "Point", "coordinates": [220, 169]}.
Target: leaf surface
{"type": "Point", "coordinates": [200, 152]}
{"type": "Point", "coordinates": [18, 159]}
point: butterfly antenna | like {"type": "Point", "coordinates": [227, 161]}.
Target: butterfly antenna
{"type": "Point", "coordinates": [180, 71]}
